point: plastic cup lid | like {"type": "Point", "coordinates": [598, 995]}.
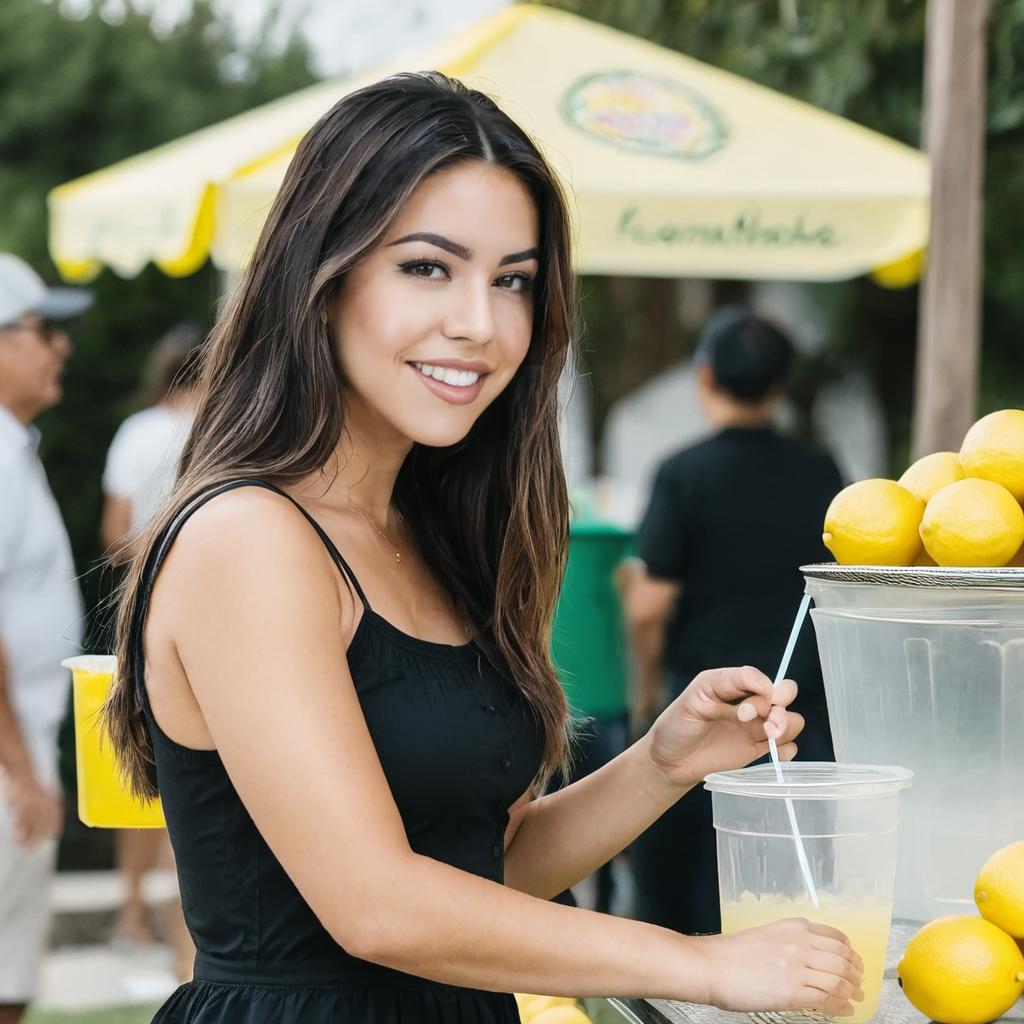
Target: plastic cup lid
{"type": "Point", "coordinates": [812, 780]}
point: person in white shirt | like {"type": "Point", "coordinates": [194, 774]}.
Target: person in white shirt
{"type": "Point", "coordinates": [143, 456]}
{"type": "Point", "coordinates": [139, 474]}
{"type": "Point", "coordinates": [40, 622]}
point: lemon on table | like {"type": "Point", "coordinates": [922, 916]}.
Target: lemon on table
{"type": "Point", "coordinates": [993, 449]}
{"type": "Point", "coordinates": [530, 1007]}
{"type": "Point", "coordinates": [561, 1015]}
{"type": "Point", "coordinates": [873, 522]}
{"type": "Point", "coordinates": [962, 970]}
{"type": "Point", "coordinates": [999, 890]}
{"type": "Point", "coordinates": [522, 998]}
{"type": "Point", "coordinates": [931, 474]}
{"type": "Point", "coordinates": [972, 522]}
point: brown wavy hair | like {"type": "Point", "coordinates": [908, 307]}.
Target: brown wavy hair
{"type": "Point", "coordinates": [490, 514]}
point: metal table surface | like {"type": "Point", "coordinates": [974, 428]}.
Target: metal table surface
{"type": "Point", "coordinates": [893, 1008]}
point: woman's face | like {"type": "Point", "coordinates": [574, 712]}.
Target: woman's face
{"type": "Point", "coordinates": [433, 325]}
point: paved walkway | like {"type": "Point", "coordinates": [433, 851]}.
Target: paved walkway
{"type": "Point", "coordinates": [82, 977]}
{"type": "Point", "coordinates": [84, 968]}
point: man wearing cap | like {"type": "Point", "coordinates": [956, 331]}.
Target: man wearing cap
{"type": "Point", "coordinates": [717, 582]}
{"type": "Point", "coordinates": [40, 621]}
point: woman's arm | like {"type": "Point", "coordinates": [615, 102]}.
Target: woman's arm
{"type": "Point", "coordinates": [719, 722]}
{"type": "Point", "coordinates": [116, 522]}
{"type": "Point", "coordinates": [258, 617]}
{"type": "Point", "coordinates": [557, 840]}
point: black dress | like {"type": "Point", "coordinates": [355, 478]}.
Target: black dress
{"type": "Point", "coordinates": [458, 746]}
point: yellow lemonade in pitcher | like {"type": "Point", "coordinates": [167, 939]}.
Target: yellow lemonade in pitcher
{"type": "Point", "coordinates": [865, 924]}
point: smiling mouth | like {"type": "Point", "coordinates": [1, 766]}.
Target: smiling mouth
{"type": "Point", "coordinates": [449, 375]}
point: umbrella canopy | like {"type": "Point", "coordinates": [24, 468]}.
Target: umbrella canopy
{"type": "Point", "coordinates": [673, 168]}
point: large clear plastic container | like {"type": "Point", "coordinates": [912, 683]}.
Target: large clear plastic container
{"type": "Point", "coordinates": [847, 816]}
{"type": "Point", "coordinates": [925, 668]}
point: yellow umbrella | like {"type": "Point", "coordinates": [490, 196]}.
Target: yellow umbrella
{"type": "Point", "coordinates": [675, 168]}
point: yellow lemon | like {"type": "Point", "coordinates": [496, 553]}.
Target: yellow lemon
{"type": "Point", "coordinates": [994, 450]}
{"type": "Point", "coordinates": [561, 1015]}
{"type": "Point", "coordinates": [931, 474]}
{"type": "Point", "coordinates": [972, 522]}
{"type": "Point", "coordinates": [873, 522]}
{"type": "Point", "coordinates": [901, 273]}
{"type": "Point", "coordinates": [534, 1006]}
{"type": "Point", "coordinates": [962, 970]}
{"type": "Point", "coordinates": [522, 998]}
{"type": "Point", "coordinates": [999, 890]}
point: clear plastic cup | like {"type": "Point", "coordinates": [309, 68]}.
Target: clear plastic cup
{"type": "Point", "coordinates": [104, 800]}
{"type": "Point", "coordinates": [848, 819]}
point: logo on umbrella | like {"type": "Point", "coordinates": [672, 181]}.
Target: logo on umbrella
{"type": "Point", "coordinates": [645, 114]}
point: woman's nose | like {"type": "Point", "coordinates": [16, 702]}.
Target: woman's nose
{"type": "Point", "coordinates": [470, 317]}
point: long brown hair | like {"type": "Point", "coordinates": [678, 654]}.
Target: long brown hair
{"type": "Point", "coordinates": [490, 514]}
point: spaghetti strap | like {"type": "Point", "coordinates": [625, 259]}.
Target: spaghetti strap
{"type": "Point", "coordinates": [332, 548]}
{"type": "Point", "coordinates": [160, 550]}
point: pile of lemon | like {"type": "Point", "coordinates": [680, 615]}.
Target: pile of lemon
{"type": "Point", "coordinates": [549, 1010]}
{"type": "Point", "coordinates": [950, 508]}
{"type": "Point", "coordinates": [970, 970]}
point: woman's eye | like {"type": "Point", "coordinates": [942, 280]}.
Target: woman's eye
{"type": "Point", "coordinates": [516, 282]}
{"type": "Point", "coordinates": [429, 270]}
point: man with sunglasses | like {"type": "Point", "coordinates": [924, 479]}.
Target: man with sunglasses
{"type": "Point", "coordinates": [40, 621]}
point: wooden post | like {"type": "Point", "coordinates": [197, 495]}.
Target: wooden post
{"type": "Point", "coordinates": [954, 129]}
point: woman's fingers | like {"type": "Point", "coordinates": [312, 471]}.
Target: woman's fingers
{"type": "Point", "coordinates": [812, 997]}
{"type": "Point", "coordinates": [782, 726]}
{"type": "Point", "coordinates": [838, 966]}
{"type": "Point", "coordinates": [784, 694]}
{"type": "Point", "coordinates": [840, 948]}
{"type": "Point", "coordinates": [777, 699]}
{"type": "Point", "coordinates": [729, 685]}
{"type": "Point", "coordinates": [826, 931]}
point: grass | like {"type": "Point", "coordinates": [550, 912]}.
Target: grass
{"type": "Point", "coordinates": [102, 1015]}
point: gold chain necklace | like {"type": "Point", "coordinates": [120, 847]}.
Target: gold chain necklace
{"type": "Point", "coordinates": [387, 540]}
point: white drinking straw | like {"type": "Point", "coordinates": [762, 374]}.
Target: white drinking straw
{"type": "Point", "coordinates": [773, 749]}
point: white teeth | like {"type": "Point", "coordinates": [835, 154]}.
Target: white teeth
{"type": "Point", "coordinates": [448, 375]}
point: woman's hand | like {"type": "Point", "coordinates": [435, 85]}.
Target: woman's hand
{"type": "Point", "coordinates": [790, 965]}
{"type": "Point", "coordinates": [722, 720]}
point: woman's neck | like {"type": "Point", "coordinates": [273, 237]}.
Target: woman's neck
{"type": "Point", "coordinates": [361, 473]}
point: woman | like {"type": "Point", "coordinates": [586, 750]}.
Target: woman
{"type": "Point", "coordinates": [339, 670]}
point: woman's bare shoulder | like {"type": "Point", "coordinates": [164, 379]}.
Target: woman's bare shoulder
{"type": "Point", "coordinates": [251, 536]}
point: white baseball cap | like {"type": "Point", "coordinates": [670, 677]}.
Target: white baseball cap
{"type": "Point", "coordinates": [22, 291]}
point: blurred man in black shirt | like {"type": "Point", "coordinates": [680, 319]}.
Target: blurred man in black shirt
{"type": "Point", "coordinates": [730, 522]}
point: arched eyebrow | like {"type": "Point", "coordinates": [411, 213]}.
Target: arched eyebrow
{"type": "Point", "coordinates": [460, 250]}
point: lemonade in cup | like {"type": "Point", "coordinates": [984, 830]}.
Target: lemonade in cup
{"type": "Point", "coordinates": [104, 800]}
{"type": "Point", "coordinates": [847, 817]}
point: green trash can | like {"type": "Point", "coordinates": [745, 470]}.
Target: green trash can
{"type": "Point", "coordinates": [589, 645]}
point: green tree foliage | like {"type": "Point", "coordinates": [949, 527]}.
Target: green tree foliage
{"type": "Point", "coordinates": [78, 95]}
{"type": "Point", "coordinates": [864, 61]}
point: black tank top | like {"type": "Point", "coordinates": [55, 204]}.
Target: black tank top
{"type": "Point", "coordinates": [458, 746]}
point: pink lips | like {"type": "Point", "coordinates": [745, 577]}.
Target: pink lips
{"type": "Point", "coordinates": [450, 392]}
